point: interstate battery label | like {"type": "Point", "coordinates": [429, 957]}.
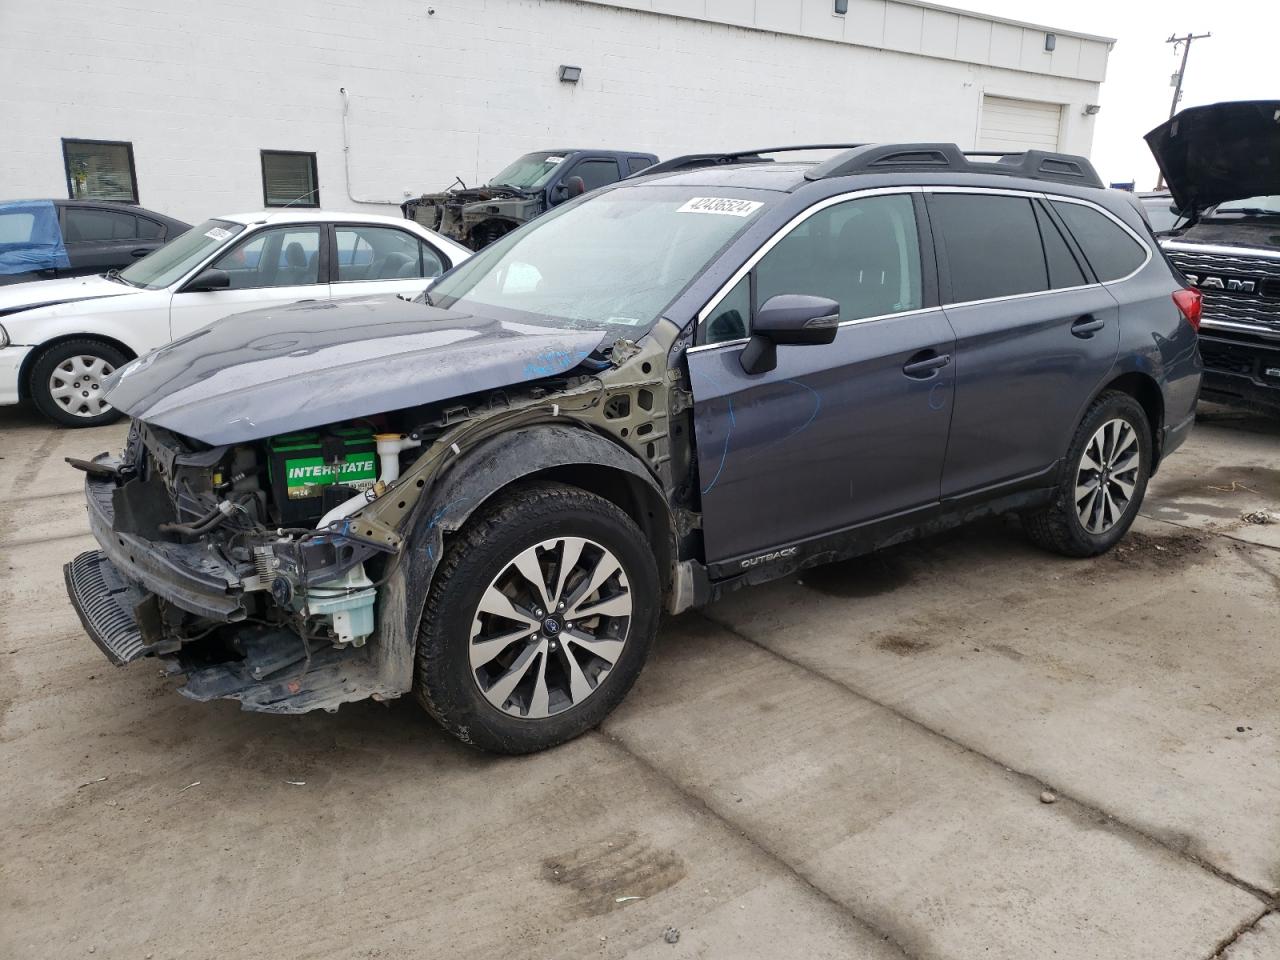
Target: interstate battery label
{"type": "Point", "coordinates": [305, 476]}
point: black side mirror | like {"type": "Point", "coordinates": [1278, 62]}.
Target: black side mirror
{"type": "Point", "coordinates": [576, 186]}
{"type": "Point", "coordinates": [788, 318]}
{"type": "Point", "coordinates": [210, 279]}
{"type": "Point", "coordinates": [559, 194]}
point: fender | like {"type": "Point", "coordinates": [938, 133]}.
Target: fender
{"type": "Point", "coordinates": [468, 483]}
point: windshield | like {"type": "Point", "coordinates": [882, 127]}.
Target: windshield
{"type": "Point", "coordinates": [1263, 206]}
{"type": "Point", "coordinates": [177, 257]}
{"type": "Point", "coordinates": [612, 262]}
{"type": "Point", "coordinates": [531, 171]}
{"type": "Point", "coordinates": [1161, 213]}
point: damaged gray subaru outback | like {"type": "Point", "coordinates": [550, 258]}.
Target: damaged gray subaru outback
{"type": "Point", "coordinates": [714, 375]}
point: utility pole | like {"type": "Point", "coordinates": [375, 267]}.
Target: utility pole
{"type": "Point", "coordinates": [1177, 77]}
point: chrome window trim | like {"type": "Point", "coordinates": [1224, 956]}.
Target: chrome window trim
{"type": "Point", "coordinates": [805, 214]}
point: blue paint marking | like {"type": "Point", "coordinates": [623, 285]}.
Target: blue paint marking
{"type": "Point", "coordinates": [817, 405]}
{"type": "Point", "coordinates": [431, 524]}
{"type": "Point", "coordinates": [724, 454]}
{"type": "Point", "coordinates": [550, 362]}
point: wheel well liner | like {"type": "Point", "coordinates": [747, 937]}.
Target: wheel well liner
{"type": "Point", "coordinates": [29, 361]}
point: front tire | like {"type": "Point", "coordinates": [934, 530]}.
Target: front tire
{"type": "Point", "coordinates": [1103, 481]}
{"type": "Point", "coordinates": [538, 621]}
{"type": "Point", "coordinates": [66, 382]}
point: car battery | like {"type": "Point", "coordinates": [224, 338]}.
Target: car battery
{"type": "Point", "coordinates": [302, 465]}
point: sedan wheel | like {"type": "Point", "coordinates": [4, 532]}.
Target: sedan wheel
{"type": "Point", "coordinates": [550, 627]}
{"type": "Point", "coordinates": [76, 385]}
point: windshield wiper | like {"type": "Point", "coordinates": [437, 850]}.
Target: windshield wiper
{"type": "Point", "coordinates": [114, 274]}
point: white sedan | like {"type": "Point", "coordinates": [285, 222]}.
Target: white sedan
{"type": "Point", "coordinates": [60, 338]}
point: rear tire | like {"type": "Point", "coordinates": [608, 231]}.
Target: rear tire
{"type": "Point", "coordinates": [66, 382]}
{"type": "Point", "coordinates": [513, 667]}
{"type": "Point", "coordinates": [1104, 479]}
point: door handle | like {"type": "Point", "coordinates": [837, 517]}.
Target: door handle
{"type": "Point", "coordinates": [140, 252]}
{"type": "Point", "coordinates": [927, 365]}
{"type": "Point", "coordinates": [1086, 326]}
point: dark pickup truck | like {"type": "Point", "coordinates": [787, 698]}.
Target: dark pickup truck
{"type": "Point", "coordinates": [529, 187]}
{"type": "Point", "coordinates": [1220, 163]}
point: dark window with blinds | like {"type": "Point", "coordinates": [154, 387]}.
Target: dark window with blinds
{"type": "Point", "coordinates": [100, 170]}
{"type": "Point", "coordinates": [289, 179]}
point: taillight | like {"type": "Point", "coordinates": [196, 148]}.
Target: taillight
{"type": "Point", "coordinates": [1189, 302]}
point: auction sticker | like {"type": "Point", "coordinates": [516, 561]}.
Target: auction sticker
{"type": "Point", "coordinates": [217, 233]}
{"type": "Point", "coordinates": [726, 206]}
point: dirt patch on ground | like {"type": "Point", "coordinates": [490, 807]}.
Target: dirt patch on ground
{"type": "Point", "coordinates": [612, 873]}
{"type": "Point", "coordinates": [1143, 549]}
{"type": "Point", "coordinates": [903, 646]}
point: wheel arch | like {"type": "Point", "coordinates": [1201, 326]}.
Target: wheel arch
{"type": "Point", "coordinates": [570, 454]}
{"type": "Point", "coordinates": [1143, 388]}
{"type": "Point", "coordinates": [33, 356]}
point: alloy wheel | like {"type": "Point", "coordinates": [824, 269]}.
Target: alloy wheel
{"type": "Point", "coordinates": [1107, 476]}
{"type": "Point", "coordinates": [549, 627]}
{"type": "Point", "coordinates": [76, 385]}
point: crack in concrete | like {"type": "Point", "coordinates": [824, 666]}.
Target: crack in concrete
{"type": "Point", "coordinates": [1038, 784]}
{"type": "Point", "coordinates": [701, 806]}
{"type": "Point", "coordinates": [1219, 952]}
{"type": "Point", "coordinates": [1209, 532]}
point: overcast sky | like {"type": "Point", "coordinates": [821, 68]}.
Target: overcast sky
{"type": "Point", "coordinates": [1241, 61]}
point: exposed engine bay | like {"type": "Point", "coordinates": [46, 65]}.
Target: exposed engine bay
{"type": "Point", "coordinates": [474, 216]}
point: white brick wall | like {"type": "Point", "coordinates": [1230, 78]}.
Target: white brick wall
{"type": "Point", "coordinates": [200, 88]}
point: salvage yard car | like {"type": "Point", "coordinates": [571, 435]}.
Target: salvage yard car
{"type": "Point", "coordinates": [61, 339]}
{"type": "Point", "coordinates": [655, 394]}
{"type": "Point", "coordinates": [529, 187]}
{"type": "Point", "coordinates": [48, 239]}
{"type": "Point", "coordinates": [1221, 165]}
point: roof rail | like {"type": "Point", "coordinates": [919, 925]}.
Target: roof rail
{"type": "Point", "coordinates": [691, 161]}
{"type": "Point", "coordinates": [886, 157]}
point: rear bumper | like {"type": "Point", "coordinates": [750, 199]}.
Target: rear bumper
{"type": "Point", "coordinates": [11, 359]}
{"type": "Point", "coordinates": [1240, 369]}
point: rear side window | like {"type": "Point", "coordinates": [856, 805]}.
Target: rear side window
{"type": "Point", "coordinates": [636, 164]}
{"type": "Point", "coordinates": [1111, 251]}
{"type": "Point", "coordinates": [596, 173]}
{"type": "Point", "coordinates": [149, 229]}
{"type": "Point", "coordinates": [1064, 271]}
{"type": "Point", "coordinates": [992, 245]}
{"type": "Point", "coordinates": [84, 225]}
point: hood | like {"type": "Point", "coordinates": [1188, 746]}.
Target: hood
{"type": "Point", "coordinates": [1220, 152]}
{"type": "Point", "coordinates": [279, 370]}
{"type": "Point", "coordinates": [45, 293]}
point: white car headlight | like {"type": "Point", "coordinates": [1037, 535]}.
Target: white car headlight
{"type": "Point", "coordinates": [4, 336]}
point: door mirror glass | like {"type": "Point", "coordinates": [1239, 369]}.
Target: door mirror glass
{"type": "Point", "coordinates": [789, 318]}
{"type": "Point", "coordinates": [575, 186]}
{"type": "Point", "coordinates": [210, 279]}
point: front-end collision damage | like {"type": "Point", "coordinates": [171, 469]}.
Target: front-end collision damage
{"type": "Point", "coordinates": [474, 217]}
{"type": "Point", "coordinates": [292, 619]}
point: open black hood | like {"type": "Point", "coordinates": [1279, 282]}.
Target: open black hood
{"type": "Point", "coordinates": [1220, 152]}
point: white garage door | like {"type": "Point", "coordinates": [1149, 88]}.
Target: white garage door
{"type": "Point", "coordinates": [1019, 124]}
